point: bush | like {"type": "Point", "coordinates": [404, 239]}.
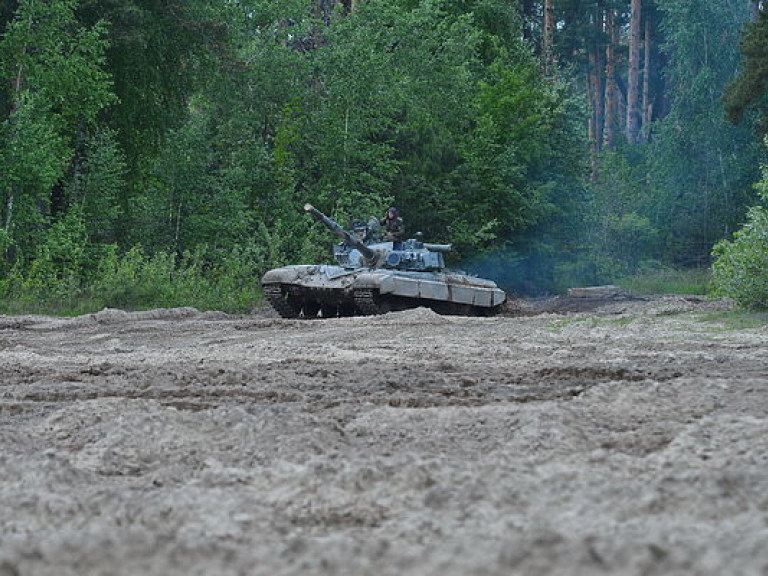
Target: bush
{"type": "Point", "coordinates": [740, 268]}
{"type": "Point", "coordinates": [204, 279]}
{"type": "Point", "coordinates": [72, 279]}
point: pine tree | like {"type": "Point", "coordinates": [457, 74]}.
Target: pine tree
{"type": "Point", "coordinates": [750, 88]}
{"type": "Point", "coordinates": [633, 76]}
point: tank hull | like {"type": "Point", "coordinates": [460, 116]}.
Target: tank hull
{"type": "Point", "coordinates": [325, 290]}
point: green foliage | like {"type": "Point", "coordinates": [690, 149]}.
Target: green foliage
{"type": "Point", "coordinates": [700, 167]}
{"type": "Point", "coordinates": [46, 51]}
{"type": "Point", "coordinates": [95, 188]}
{"type": "Point", "coordinates": [34, 156]}
{"type": "Point", "coordinates": [158, 152]}
{"type": "Point", "coordinates": [160, 52]}
{"type": "Point", "coordinates": [631, 239]}
{"type": "Point", "coordinates": [670, 199]}
{"type": "Point", "coordinates": [619, 237]}
{"type": "Point", "coordinates": [750, 88]}
{"type": "Point", "coordinates": [426, 108]}
{"type": "Point", "coordinates": [740, 268]}
{"type": "Point", "coordinates": [61, 264]}
{"type": "Point", "coordinates": [204, 279]}
{"type": "Point", "coordinates": [737, 320]}
{"type": "Point", "coordinates": [191, 194]}
{"type": "Point", "coordinates": [58, 88]}
{"type": "Point", "coordinates": [72, 277]}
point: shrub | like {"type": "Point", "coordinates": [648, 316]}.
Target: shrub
{"type": "Point", "coordinates": [740, 268]}
{"type": "Point", "coordinates": [70, 278]}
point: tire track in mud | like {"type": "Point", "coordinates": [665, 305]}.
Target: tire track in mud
{"type": "Point", "coordinates": [313, 386]}
{"type": "Point", "coordinates": [312, 365]}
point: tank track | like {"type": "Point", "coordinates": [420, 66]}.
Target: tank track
{"type": "Point", "coordinates": [366, 303]}
{"type": "Point", "coordinates": [280, 302]}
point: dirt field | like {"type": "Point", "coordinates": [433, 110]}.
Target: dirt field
{"type": "Point", "coordinates": [632, 439]}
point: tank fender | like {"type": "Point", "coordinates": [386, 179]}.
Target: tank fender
{"type": "Point", "coordinates": [288, 274]}
{"type": "Point", "coordinates": [499, 297]}
{"type": "Point", "coordinates": [460, 293]}
{"type": "Point", "coordinates": [384, 283]}
{"type": "Point", "coordinates": [280, 275]}
{"type": "Point", "coordinates": [398, 285]}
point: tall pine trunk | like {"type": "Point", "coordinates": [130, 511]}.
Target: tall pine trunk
{"type": "Point", "coordinates": [598, 67]}
{"type": "Point", "coordinates": [612, 32]}
{"type": "Point", "coordinates": [647, 104]}
{"type": "Point", "coordinates": [547, 48]}
{"type": "Point", "coordinates": [633, 76]}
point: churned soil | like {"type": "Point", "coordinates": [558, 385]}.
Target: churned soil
{"type": "Point", "coordinates": [621, 437]}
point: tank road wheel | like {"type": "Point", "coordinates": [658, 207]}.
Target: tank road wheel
{"type": "Point", "coordinates": [285, 304]}
{"type": "Point", "coordinates": [369, 302]}
{"type": "Point", "coordinates": [310, 309]}
{"type": "Point", "coordinates": [329, 310]}
{"type": "Point", "coordinates": [346, 309]}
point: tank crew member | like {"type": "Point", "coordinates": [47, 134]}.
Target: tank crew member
{"type": "Point", "coordinates": [359, 230]}
{"type": "Point", "coordinates": [374, 229]}
{"type": "Point", "coordinates": [394, 228]}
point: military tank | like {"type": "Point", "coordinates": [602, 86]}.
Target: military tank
{"type": "Point", "coordinates": [374, 277]}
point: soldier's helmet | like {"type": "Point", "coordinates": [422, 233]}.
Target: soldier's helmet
{"type": "Point", "coordinates": [359, 229]}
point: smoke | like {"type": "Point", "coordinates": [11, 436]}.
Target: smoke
{"type": "Point", "coordinates": [532, 270]}
{"type": "Point", "coordinates": [513, 272]}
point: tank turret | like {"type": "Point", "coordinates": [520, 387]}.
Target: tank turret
{"type": "Point", "coordinates": [369, 256]}
{"type": "Point", "coordinates": [373, 277]}
{"type": "Point", "coordinates": [412, 254]}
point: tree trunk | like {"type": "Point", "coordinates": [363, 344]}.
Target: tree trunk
{"type": "Point", "coordinates": [647, 104]}
{"type": "Point", "coordinates": [548, 54]}
{"type": "Point", "coordinates": [633, 105]}
{"type": "Point", "coordinates": [13, 190]}
{"type": "Point", "coordinates": [591, 128]}
{"type": "Point", "coordinates": [529, 11]}
{"type": "Point", "coordinates": [599, 72]}
{"type": "Point", "coordinates": [596, 83]}
{"type": "Point", "coordinates": [9, 209]}
{"type": "Point", "coordinates": [610, 80]}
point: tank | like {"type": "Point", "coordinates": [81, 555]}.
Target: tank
{"type": "Point", "coordinates": [375, 277]}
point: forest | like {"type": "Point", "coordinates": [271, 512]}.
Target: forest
{"type": "Point", "coordinates": [158, 152]}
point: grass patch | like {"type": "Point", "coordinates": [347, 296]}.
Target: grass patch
{"type": "Point", "coordinates": [734, 320]}
{"type": "Point", "coordinates": [241, 301]}
{"type": "Point", "coordinates": [51, 307]}
{"type": "Point", "coordinates": [668, 281]}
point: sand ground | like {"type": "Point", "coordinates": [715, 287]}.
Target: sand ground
{"type": "Point", "coordinates": [628, 439]}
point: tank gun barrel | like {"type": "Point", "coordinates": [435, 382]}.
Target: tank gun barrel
{"type": "Point", "coordinates": [438, 247]}
{"type": "Point", "coordinates": [337, 230]}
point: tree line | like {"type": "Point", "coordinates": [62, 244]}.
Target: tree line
{"type": "Point", "coordinates": [157, 151]}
